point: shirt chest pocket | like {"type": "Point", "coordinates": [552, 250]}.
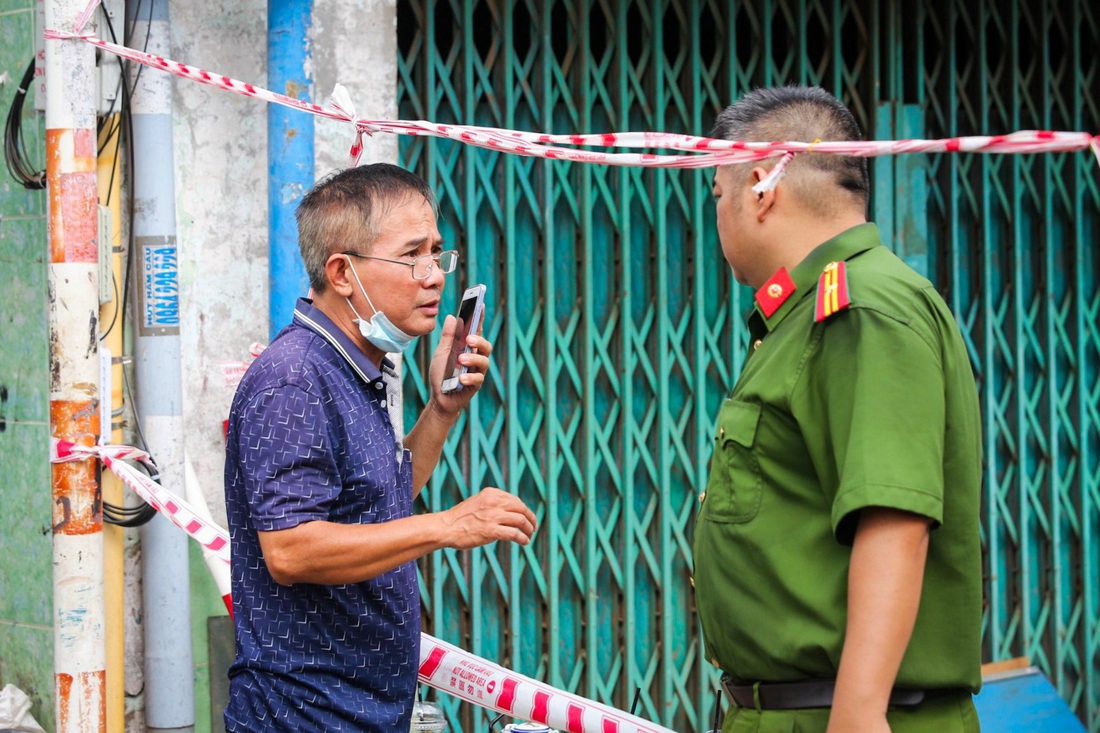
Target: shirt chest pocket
{"type": "Point", "coordinates": [736, 485]}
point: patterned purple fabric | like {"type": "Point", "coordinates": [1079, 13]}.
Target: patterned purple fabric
{"type": "Point", "coordinates": [310, 439]}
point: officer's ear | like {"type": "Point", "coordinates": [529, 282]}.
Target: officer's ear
{"type": "Point", "coordinates": [338, 274]}
{"type": "Point", "coordinates": [763, 201]}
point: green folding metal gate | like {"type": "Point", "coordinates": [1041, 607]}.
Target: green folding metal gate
{"type": "Point", "coordinates": [617, 330]}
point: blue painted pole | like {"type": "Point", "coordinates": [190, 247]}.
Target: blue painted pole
{"type": "Point", "coordinates": [290, 152]}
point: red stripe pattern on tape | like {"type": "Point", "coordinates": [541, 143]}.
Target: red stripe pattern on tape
{"type": "Point", "coordinates": [206, 533]}
{"type": "Point", "coordinates": [474, 679]}
{"type": "Point", "coordinates": [703, 152]}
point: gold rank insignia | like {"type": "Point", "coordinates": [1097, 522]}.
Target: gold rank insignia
{"type": "Point", "coordinates": [832, 291]}
{"type": "Point", "coordinates": [775, 292]}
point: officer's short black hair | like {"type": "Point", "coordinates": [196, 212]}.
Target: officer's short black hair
{"type": "Point", "coordinates": [799, 114]}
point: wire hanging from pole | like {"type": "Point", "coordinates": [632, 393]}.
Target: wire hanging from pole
{"type": "Point", "coordinates": [15, 152]}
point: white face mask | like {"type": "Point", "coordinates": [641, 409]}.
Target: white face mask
{"type": "Point", "coordinates": [379, 330]}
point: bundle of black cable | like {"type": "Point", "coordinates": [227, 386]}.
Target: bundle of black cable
{"type": "Point", "coordinates": [15, 153]}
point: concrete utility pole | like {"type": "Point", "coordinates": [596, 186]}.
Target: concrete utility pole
{"type": "Point", "coordinates": [169, 671]}
{"type": "Point", "coordinates": [79, 645]}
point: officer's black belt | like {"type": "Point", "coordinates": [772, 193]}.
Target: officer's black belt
{"type": "Point", "coordinates": [802, 694]}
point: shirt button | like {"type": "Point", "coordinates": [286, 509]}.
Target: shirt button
{"type": "Point", "coordinates": [378, 385]}
{"type": "Point", "coordinates": [691, 579]}
{"type": "Point", "coordinates": [702, 496]}
{"type": "Point", "coordinates": [756, 344]}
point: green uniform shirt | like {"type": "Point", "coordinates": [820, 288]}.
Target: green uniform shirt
{"type": "Point", "coordinates": [874, 406]}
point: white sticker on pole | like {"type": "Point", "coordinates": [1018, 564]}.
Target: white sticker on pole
{"type": "Point", "coordinates": [106, 388]}
{"type": "Point", "coordinates": [159, 291]}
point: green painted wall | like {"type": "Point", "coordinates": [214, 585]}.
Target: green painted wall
{"type": "Point", "coordinates": [26, 579]}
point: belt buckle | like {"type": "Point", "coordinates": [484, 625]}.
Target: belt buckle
{"type": "Point", "coordinates": [728, 687]}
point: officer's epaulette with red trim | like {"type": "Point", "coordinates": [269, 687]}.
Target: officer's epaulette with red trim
{"type": "Point", "coordinates": [832, 291]}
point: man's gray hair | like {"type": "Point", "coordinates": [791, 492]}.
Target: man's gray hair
{"type": "Point", "coordinates": [342, 212]}
{"type": "Point", "coordinates": [799, 114]}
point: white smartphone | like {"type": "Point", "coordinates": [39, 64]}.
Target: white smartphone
{"type": "Point", "coordinates": [469, 321]}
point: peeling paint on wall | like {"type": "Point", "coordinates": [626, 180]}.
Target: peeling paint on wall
{"type": "Point", "coordinates": [221, 204]}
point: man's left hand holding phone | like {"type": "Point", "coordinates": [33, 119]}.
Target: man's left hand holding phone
{"type": "Point", "coordinates": [462, 367]}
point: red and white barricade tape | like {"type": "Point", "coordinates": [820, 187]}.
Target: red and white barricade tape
{"type": "Point", "coordinates": [442, 665]}
{"type": "Point", "coordinates": [448, 668]}
{"type": "Point", "coordinates": [212, 537]}
{"type": "Point", "coordinates": [197, 498]}
{"type": "Point", "coordinates": [85, 15]}
{"type": "Point", "coordinates": [700, 152]}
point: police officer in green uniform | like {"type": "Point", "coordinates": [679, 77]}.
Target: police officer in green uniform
{"type": "Point", "coordinates": [837, 555]}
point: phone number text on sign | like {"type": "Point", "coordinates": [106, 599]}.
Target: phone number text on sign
{"type": "Point", "coordinates": [159, 292]}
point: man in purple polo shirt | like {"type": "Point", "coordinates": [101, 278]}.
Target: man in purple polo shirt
{"type": "Point", "coordinates": [318, 486]}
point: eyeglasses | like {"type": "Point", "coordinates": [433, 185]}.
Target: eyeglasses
{"type": "Point", "coordinates": [422, 265]}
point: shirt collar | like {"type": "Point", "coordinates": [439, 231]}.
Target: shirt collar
{"type": "Point", "coordinates": [309, 316]}
{"type": "Point", "coordinates": [805, 275]}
